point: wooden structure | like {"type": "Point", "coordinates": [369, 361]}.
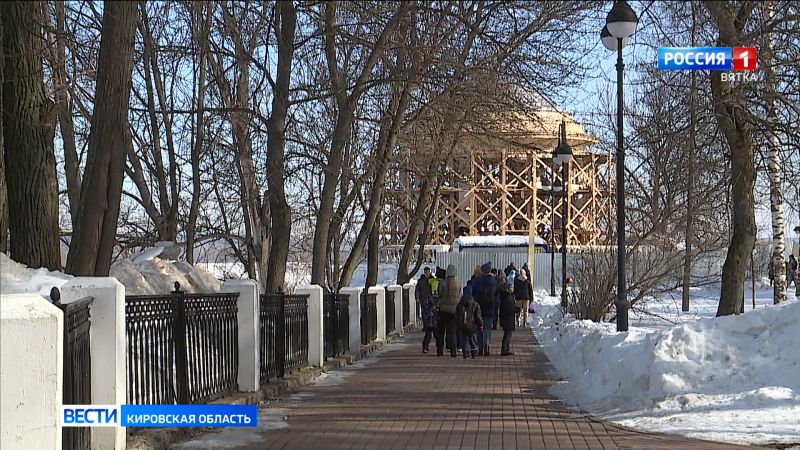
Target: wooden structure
{"type": "Point", "coordinates": [493, 186]}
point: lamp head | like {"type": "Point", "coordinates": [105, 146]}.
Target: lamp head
{"type": "Point", "coordinates": [621, 20]}
{"type": "Point", "coordinates": [563, 152]}
{"type": "Point", "coordinates": [610, 42]}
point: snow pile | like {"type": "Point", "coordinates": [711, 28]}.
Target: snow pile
{"type": "Point", "coordinates": [493, 241]}
{"type": "Point", "coordinates": [732, 379]}
{"type": "Point", "coordinates": [16, 278]}
{"type": "Point", "coordinates": [147, 274]}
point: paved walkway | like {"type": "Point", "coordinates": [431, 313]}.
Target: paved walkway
{"type": "Point", "coordinates": [407, 399]}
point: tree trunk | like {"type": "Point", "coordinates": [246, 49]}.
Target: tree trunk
{"type": "Point", "coordinates": [734, 122]}
{"type": "Point", "coordinates": [64, 110]}
{"type": "Point", "coordinates": [202, 18]}
{"type": "Point", "coordinates": [28, 122]}
{"type": "Point", "coordinates": [373, 249]}
{"type": "Point", "coordinates": [280, 213]}
{"type": "Point", "coordinates": [109, 137]}
{"type": "Point", "coordinates": [775, 175]}
{"type": "Point", "coordinates": [689, 232]}
{"type": "Point", "coordinates": [3, 191]}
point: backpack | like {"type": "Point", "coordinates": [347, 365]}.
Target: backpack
{"type": "Point", "coordinates": [465, 318]}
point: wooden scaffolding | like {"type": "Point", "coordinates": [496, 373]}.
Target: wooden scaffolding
{"type": "Point", "coordinates": [494, 188]}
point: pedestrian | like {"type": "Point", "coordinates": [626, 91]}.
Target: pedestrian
{"type": "Point", "coordinates": [523, 293]}
{"type": "Point", "coordinates": [475, 275]}
{"type": "Point", "coordinates": [448, 301]}
{"type": "Point", "coordinates": [424, 293]}
{"type": "Point", "coordinates": [509, 268]}
{"type": "Point", "coordinates": [771, 271]}
{"type": "Point", "coordinates": [484, 291]}
{"type": "Point", "coordinates": [791, 272]}
{"type": "Point", "coordinates": [469, 320]}
{"type": "Point", "coordinates": [499, 277]}
{"type": "Point", "coordinates": [508, 314]}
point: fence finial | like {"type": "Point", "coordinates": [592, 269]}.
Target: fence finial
{"type": "Point", "coordinates": [177, 288]}
{"type": "Point", "coordinates": [55, 296]}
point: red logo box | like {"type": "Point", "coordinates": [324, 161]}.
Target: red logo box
{"type": "Point", "coordinates": [744, 58]}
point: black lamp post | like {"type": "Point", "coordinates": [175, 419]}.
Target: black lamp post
{"type": "Point", "coordinates": [620, 25]}
{"type": "Point", "coordinates": [548, 185]}
{"type": "Point", "coordinates": [562, 155]}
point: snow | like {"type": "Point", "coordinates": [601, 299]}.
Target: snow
{"type": "Point", "coordinates": [387, 274]}
{"type": "Point", "coordinates": [493, 241]}
{"type": "Point", "coordinates": [142, 275]}
{"type": "Point", "coordinates": [731, 379]}
{"type": "Point", "coordinates": [16, 278]}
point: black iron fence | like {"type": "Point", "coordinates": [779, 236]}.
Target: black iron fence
{"type": "Point", "coordinates": [369, 318]}
{"type": "Point", "coordinates": [283, 324]}
{"type": "Point", "coordinates": [77, 388]}
{"type": "Point", "coordinates": [390, 311]}
{"type": "Point", "coordinates": [182, 348]}
{"type": "Point", "coordinates": [336, 324]}
{"type": "Point", "coordinates": [406, 308]}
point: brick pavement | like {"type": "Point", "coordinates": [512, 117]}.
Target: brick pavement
{"type": "Point", "coordinates": [407, 399]}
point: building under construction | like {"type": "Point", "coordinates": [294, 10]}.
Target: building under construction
{"type": "Point", "coordinates": [499, 185]}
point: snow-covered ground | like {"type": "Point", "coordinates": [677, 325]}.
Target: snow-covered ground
{"type": "Point", "coordinates": [733, 379]}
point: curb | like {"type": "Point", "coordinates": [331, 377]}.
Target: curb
{"type": "Point", "coordinates": [163, 438]}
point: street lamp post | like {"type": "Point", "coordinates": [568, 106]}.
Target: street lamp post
{"type": "Point", "coordinates": [562, 155]}
{"type": "Point", "coordinates": [548, 185]}
{"type": "Point", "coordinates": [620, 25]}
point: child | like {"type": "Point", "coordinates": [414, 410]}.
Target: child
{"type": "Point", "coordinates": [508, 313]}
{"type": "Point", "coordinates": [469, 321]}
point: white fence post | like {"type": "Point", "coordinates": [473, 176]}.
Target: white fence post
{"type": "Point", "coordinates": [315, 334]}
{"type": "Point", "coordinates": [381, 309]}
{"type": "Point", "coordinates": [108, 348]}
{"type": "Point", "coordinates": [398, 307]}
{"type": "Point", "coordinates": [412, 302]}
{"type": "Point", "coordinates": [31, 368]}
{"type": "Point", "coordinates": [354, 294]}
{"type": "Point", "coordinates": [247, 317]}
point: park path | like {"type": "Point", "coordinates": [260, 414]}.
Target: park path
{"type": "Point", "coordinates": [404, 399]}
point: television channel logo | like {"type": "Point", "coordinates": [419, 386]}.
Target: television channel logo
{"type": "Point", "coordinates": [707, 58]}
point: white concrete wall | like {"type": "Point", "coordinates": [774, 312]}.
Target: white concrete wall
{"type": "Point", "coordinates": [108, 348]}
{"type": "Point", "coordinates": [247, 322]}
{"type": "Point", "coordinates": [354, 294]}
{"type": "Point", "coordinates": [381, 308]}
{"type": "Point", "coordinates": [315, 335]}
{"type": "Point", "coordinates": [31, 370]}
{"type": "Point", "coordinates": [398, 307]}
{"type": "Point", "coordinates": [412, 301]}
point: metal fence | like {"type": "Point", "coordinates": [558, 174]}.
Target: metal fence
{"type": "Point", "coordinates": [77, 366]}
{"type": "Point", "coordinates": [283, 324]}
{"type": "Point", "coordinates": [406, 308]}
{"type": "Point", "coordinates": [369, 318]}
{"type": "Point", "coordinates": [336, 324]}
{"type": "Point", "coordinates": [182, 348]}
{"type": "Point", "coordinates": [390, 312]}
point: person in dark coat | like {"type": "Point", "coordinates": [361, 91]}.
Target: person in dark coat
{"type": "Point", "coordinates": [424, 294]}
{"type": "Point", "coordinates": [469, 321]}
{"type": "Point", "coordinates": [523, 294]}
{"type": "Point", "coordinates": [508, 313]}
{"type": "Point", "coordinates": [484, 290]}
{"type": "Point", "coordinates": [509, 268]}
{"type": "Point", "coordinates": [496, 319]}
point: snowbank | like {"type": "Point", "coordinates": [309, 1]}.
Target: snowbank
{"type": "Point", "coordinates": [141, 275]}
{"type": "Point", "coordinates": [16, 278]}
{"type": "Point", "coordinates": [152, 275]}
{"type": "Point", "coordinates": [732, 379]}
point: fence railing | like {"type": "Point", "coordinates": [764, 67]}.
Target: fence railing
{"type": "Point", "coordinates": [283, 324]}
{"type": "Point", "coordinates": [406, 308]}
{"type": "Point", "coordinates": [369, 318]}
{"type": "Point", "coordinates": [336, 324]}
{"type": "Point", "coordinates": [77, 388]}
{"type": "Point", "coordinates": [390, 312]}
{"type": "Point", "coordinates": [182, 348]}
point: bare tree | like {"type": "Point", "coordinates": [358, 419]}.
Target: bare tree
{"type": "Point", "coordinates": [28, 132]}
{"type": "Point", "coordinates": [95, 232]}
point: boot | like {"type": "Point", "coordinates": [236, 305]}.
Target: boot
{"type": "Point", "coordinates": [424, 348]}
{"type": "Point", "coordinates": [486, 351]}
{"type": "Point", "coordinates": [474, 354]}
{"type": "Point", "coordinates": [439, 351]}
{"type": "Point", "coordinates": [453, 353]}
{"type": "Point", "coordinates": [480, 350]}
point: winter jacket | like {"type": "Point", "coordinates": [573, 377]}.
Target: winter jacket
{"type": "Point", "coordinates": [484, 289]}
{"type": "Point", "coordinates": [468, 315]}
{"type": "Point", "coordinates": [423, 289]}
{"type": "Point", "coordinates": [508, 310]}
{"type": "Point", "coordinates": [509, 268]}
{"type": "Point", "coordinates": [450, 295]}
{"type": "Point", "coordinates": [523, 289]}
